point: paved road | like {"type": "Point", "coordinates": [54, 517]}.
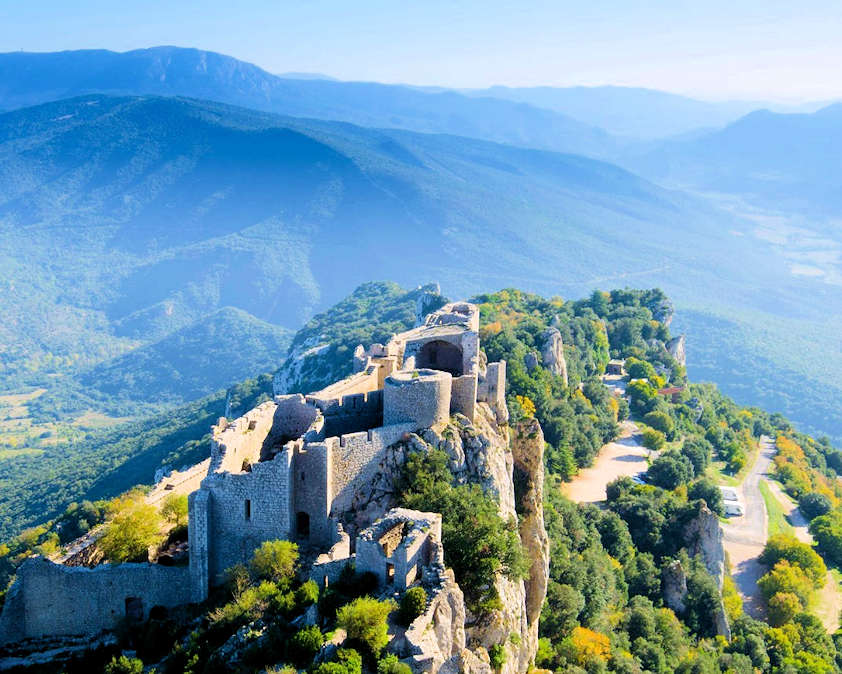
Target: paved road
{"type": "Point", "coordinates": [624, 456]}
{"type": "Point", "coordinates": [745, 536]}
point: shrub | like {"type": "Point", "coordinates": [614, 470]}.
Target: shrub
{"type": "Point", "coordinates": [670, 470]}
{"type": "Point", "coordinates": [305, 644]}
{"type": "Point", "coordinates": [497, 656]}
{"type": "Point", "coordinates": [653, 439]}
{"type": "Point", "coordinates": [782, 608]}
{"type": "Point", "coordinates": [786, 577]}
{"type": "Point", "coordinates": [390, 664]}
{"type": "Point", "coordinates": [124, 665]}
{"type": "Point", "coordinates": [348, 661]}
{"type": "Point", "coordinates": [827, 530]}
{"type": "Point", "coordinates": [660, 421]}
{"type": "Point", "coordinates": [814, 505]}
{"type": "Point", "coordinates": [707, 490]}
{"type": "Point", "coordinates": [307, 594]}
{"type": "Point", "coordinates": [364, 620]}
{"type": "Point", "coordinates": [699, 451]}
{"type": "Point", "coordinates": [413, 604]}
{"type": "Point", "coordinates": [134, 527]}
{"type": "Point", "coordinates": [781, 546]}
{"type": "Point", "coordinates": [174, 509]}
{"type": "Point", "coordinates": [275, 561]}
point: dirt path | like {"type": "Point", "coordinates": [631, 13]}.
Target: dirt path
{"type": "Point", "coordinates": [625, 456]}
{"type": "Point", "coordinates": [829, 597]}
{"type": "Point", "coordinates": [744, 537]}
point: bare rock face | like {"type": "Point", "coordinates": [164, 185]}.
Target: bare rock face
{"type": "Point", "coordinates": [429, 300]}
{"type": "Point", "coordinates": [528, 454]}
{"type": "Point", "coordinates": [676, 347]}
{"type": "Point", "coordinates": [478, 452]}
{"type": "Point", "coordinates": [674, 583]}
{"type": "Point", "coordinates": [552, 353]}
{"type": "Point", "coordinates": [664, 312]}
{"type": "Point", "coordinates": [703, 537]}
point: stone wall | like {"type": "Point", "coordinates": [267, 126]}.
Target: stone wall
{"type": "Point", "coordinates": [49, 599]}
{"type": "Point", "coordinates": [419, 397]}
{"type": "Point", "coordinates": [355, 460]}
{"type": "Point", "coordinates": [310, 481]}
{"type": "Point", "coordinates": [491, 389]}
{"type": "Point", "coordinates": [463, 395]}
{"type": "Point", "coordinates": [245, 509]}
{"type": "Point", "coordinates": [351, 413]}
{"type": "Point", "coordinates": [414, 532]}
{"type": "Point", "coordinates": [198, 532]}
{"type": "Point", "coordinates": [241, 440]}
{"type": "Point", "coordinates": [179, 482]}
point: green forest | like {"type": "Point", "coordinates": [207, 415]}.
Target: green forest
{"type": "Point", "coordinates": [606, 607]}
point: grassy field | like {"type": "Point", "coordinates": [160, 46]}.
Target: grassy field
{"type": "Point", "coordinates": [778, 523]}
{"type": "Point", "coordinates": [20, 436]}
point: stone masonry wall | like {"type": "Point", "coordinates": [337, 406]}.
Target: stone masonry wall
{"type": "Point", "coordinates": [242, 439]}
{"type": "Point", "coordinates": [355, 461]}
{"type": "Point", "coordinates": [463, 395]}
{"type": "Point", "coordinates": [246, 509]}
{"type": "Point", "coordinates": [310, 480]}
{"type": "Point", "coordinates": [491, 389]}
{"type": "Point", "coordinates": [53, 600]}
{"type": "Point", "coordinates": [351, 413]}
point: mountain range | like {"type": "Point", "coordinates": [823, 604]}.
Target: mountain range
{"type": "Point", "coordinates": [128, 218]}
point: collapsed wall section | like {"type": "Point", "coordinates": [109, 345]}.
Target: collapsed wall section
{"type": "Point", "coordinates": [49, 599]}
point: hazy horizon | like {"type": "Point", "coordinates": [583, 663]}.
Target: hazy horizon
{"type": "Point", "coordinates": [719, 52]}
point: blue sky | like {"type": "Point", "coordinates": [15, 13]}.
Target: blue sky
{"type": "Point", "coordinates": [710, 48]}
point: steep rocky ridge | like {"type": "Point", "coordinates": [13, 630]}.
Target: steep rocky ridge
{"type": "Point", "coordinates": [507, 463]}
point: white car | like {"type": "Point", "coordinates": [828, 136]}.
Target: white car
{"type": "Point", "coordinates": [729, 494]}
{"type": "Point", "coordinates": [734, 509]}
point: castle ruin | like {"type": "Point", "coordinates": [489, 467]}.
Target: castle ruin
{"type": "Point", "coordinates": [289, 469]}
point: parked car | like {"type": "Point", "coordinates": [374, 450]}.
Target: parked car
{"type": "Point", "coordinates": [729, 494]}
{"type": "Point", "coordinates": [734, 509]}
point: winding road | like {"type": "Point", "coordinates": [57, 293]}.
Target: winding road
{"type": "Point", "coordinates": [745, 537]}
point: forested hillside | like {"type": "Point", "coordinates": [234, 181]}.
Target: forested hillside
{"type": "Point", "coordinates": [608, 607]}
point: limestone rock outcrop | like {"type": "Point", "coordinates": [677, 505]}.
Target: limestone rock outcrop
{"type": "Point", "coordinates": [676, 347]}
{"type": "Point", "coordinates": [552, 352]}
{"type": "Point", "coordinates": [703, 538]}
{"type": "Point", "coordinates": [480, 452]}
{"type": "Point", "coordinates": [674, 584]}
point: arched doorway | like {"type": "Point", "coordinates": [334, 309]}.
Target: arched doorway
{"type": "Point", "coordinates": [440, 355]}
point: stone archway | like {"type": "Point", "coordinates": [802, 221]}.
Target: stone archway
{"type": "Point", "coordinates": [440, 355]}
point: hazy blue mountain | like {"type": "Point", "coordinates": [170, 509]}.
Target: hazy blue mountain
{"type": "Point", "coordinates": [635, 112]}
{"type": "Point", "coordinates": [125, 219]}
{"type": "Point", "coordinates": [138, 216]}
{"type": "Point", "coordinates": [192, 362]}
{"type": "Point", "coordinates": [791, 162]}
{"type": "Point", "coordinates": [30, 78]}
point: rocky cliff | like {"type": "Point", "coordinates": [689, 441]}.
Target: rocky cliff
{"type": "Point", "coordinates": [507, 463]}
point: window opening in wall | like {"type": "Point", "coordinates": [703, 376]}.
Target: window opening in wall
{"type": "Point", "coordinates": [248, 510]}
{"type": "Point", "coordinates": [326, 582]}
{"type": "Point", "coordinates": [390, 573]}
{"type": "Point", "coordinates": [134, 609]}
{"type": "Point", "coordinates": [302, 525]}
{"type": "Point", "coordinates": [302, 476]}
